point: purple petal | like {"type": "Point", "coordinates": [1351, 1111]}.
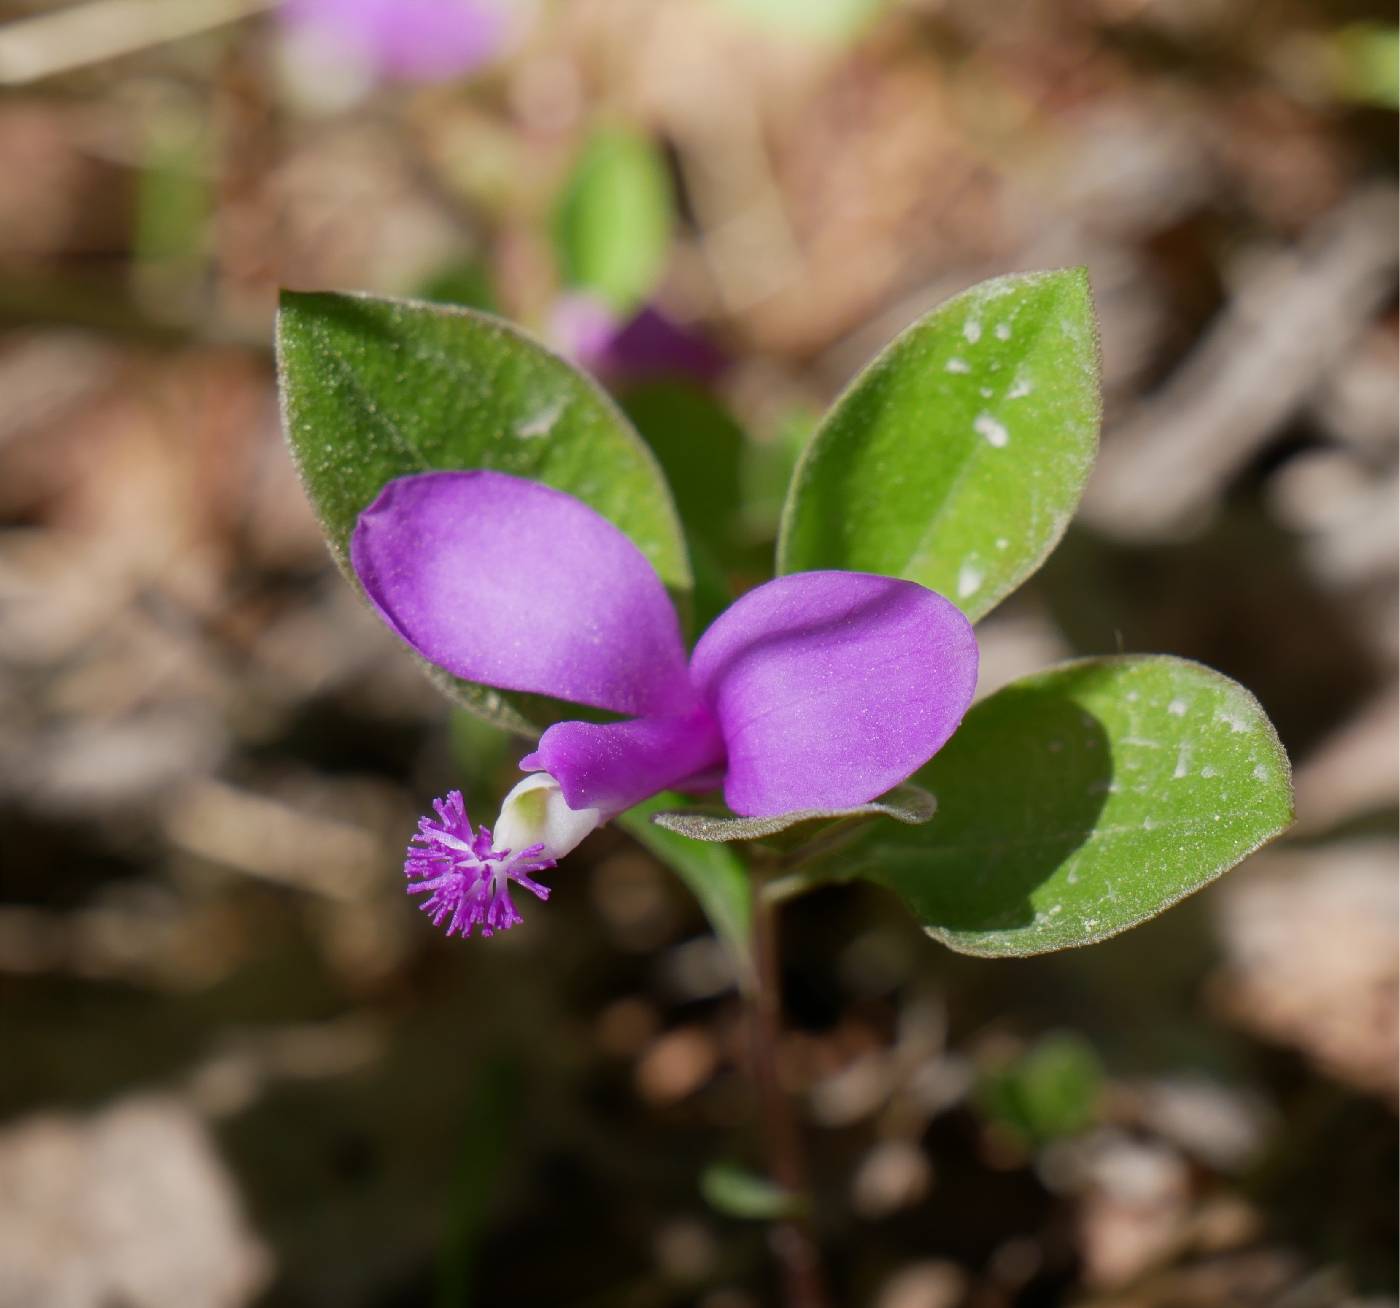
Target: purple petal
{"type": "Point", "coordinates": [618, 764]}
{"type": "Point", "coordinates": [408, 40]}
{"type": "Point", "coordinates": [831, 687]}
{"type": "Point", "coordinates": [514, 584]}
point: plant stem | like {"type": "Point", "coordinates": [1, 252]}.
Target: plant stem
{"type": "Point", "coordinates": [799, 1259]}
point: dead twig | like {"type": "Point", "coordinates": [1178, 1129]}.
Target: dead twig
{"type": "Point", "coordinates": [1294, 319]}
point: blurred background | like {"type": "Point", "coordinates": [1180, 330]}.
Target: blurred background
{"type": "Point", "coordinates": [239, 1069]}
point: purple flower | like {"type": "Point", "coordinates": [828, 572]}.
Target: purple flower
{"type": "Point", "coordinates": [649, 344]}
{"type": "Point", "coordinates": [819, 690]}
{"type": "Point", "coordinates": [406, 40]}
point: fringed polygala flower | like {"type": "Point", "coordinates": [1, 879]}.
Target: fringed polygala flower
{"type": "Point", "coordinates": [819, 690]}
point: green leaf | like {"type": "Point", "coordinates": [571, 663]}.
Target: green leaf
{"type": "Point", "coordinates": [737, 1192]}
{"type": "Point", "coordinates": [1049, 1091]}
{"type": "Point", "coordinates": [715, 875]}
{"type": "Point", "coordinates": [374, 389]}
{"type": "Point", "coordinates": [174, 193]}
{"type": "Point", "coordinates": [823, 20]}
{"type": "Point", "coordinates": [613, 225]}
{"type": "Point", "coordinates": [699, 447]}
{"type": "Point", "coordinates": [1366, 64]}
{"type": "Point", "coordinates": [1077, 803]}
{"type": "Point", "coordinates": [907, 803]}
{"type": "Point", "coordinates": [466, 282]}
{"type": "Point", "coordinates": [767, 470]}
{"type": "Point", "coordinates": [957, 457]}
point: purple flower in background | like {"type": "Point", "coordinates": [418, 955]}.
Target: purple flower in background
{"type": "Point", "coordinates": [405, 40]}
{"type": "Point", "coordinates": [819, 690]}
{"type": "Point", "coordinates": [649, 344]}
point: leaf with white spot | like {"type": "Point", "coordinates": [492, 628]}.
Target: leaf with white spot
{"type": "Point", "coordinates": [957, 457]}
{"type": "Point", "coordinates": [1079, 802]}
{"type": "Point", "coordinates": [374, 389]}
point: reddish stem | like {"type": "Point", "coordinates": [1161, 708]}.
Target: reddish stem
{"type": "Point", "coordinates": [799, 1259]}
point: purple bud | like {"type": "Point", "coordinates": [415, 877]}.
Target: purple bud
{"type": "Point", "coordinates": [582, 327]}
{"type": "Point", "coordinates": [406, 40]}
{"type": "Point", "coordinates": [644, 347]}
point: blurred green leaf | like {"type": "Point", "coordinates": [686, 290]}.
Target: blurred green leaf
{"type": "Point", "coordinates": [737, 1192]}
{"type": "Point", "coordinates": [1366, 63]}
{"type": "Point", "coordinates": [1049, 1091]}
{"type": "Point", "coordinates": [374, 389]}
{"type": "Point", "coordinates": [713, 593]}
{"type": "Point", "coordinates": [491, 1119]}
{"type": "Point", "coordinates": [479, 750]}
{"type": "Point", "coordinates": [699, 447]}
{"type": "Point", "coordinates": [716, 876]}
{"type": "Point", "coordinates": [821, 19]}
{"type": "Point", "coordinates": [467, 283]}
{"type": "Point", "coordinates": [957, 457]}
{"type": "Point", "coordinates": [907, 803]}
{"type": "Point", "coordinates": [766, 471]}
{"type": "Point", "coordinates": [613, 224]}
{"type": "Point", "coordinates": [174, 195]}
{"type": "Point", "coordinates": [1079, 802]}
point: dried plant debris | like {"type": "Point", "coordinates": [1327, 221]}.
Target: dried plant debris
{"type": "Point", "coordinates": [1311, 957]}
{"type": "Point", "coordinates": [132, 1205]}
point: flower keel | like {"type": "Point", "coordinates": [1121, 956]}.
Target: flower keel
{"type": "Point", "coordinates": [467, 880]}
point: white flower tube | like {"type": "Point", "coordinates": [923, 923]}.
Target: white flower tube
{"type": "Point", "coordinates": [534, 813]}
